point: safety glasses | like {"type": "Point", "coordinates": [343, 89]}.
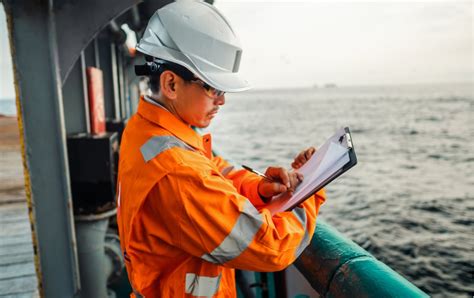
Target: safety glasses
{"type": "Point", "coordinates": [210, 91]}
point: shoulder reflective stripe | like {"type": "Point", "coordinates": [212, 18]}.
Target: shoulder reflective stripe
{"type": "Point", "coordinates": [202, 285]}
{"type": "Point", "coordinates": [242, 234]}
{"type": "Point", "coordinates": [156, 145]}
{"type": "Point", "coordinates": [300, 214]}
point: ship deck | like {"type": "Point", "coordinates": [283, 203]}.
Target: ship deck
{"type": "Point", "coordinates": [17, 270]}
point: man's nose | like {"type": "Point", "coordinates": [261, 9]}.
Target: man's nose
{"type": "Point", "coordinates": [220, 100]}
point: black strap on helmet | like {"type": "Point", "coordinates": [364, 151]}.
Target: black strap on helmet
{"type": "Point", "coordinates": [155, 67]}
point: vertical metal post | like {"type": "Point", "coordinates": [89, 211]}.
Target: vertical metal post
{"type": "Point", "coordinates": [126, 89]}
{"type": "Point", "coordinates": [82, 60]}
{"type": "Point", "coordinates": [89, 54]}
{"type": "Point", "coordinates": [133, 84]}
{"type": "Point", "coordinates": [74, 100]}
{"type": "Point", "coordinates": [32, 32]}
{"type": "Point", "coordinates": [106, 64]}
{"type": "Point", "coordinates": [116, 81]}
{"type": "Point", "coordinates": [96, 53]}
{"type": "Point", "coordinates": [121, 81]}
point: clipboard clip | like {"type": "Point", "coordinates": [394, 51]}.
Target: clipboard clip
{"type": "Point", "coordinates": [347, 138]}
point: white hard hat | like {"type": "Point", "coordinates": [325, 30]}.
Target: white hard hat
{"type": "Point", "coordinates": [197, 36]}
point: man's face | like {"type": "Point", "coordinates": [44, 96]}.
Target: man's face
{"type": "Point", "coordinates": [194, 106]}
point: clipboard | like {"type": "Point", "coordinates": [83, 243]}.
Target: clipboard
{"type": "Point", "coordinates": [342, 137]}
{"type": "Point", "coordinates": [347, 140]}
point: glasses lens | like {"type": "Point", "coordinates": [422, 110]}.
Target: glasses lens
{"type": "Point", "coordinates": [215, 93]}
{"type": "Point", "coordinates": [210, 91]}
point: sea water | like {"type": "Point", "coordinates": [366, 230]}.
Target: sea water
{"type": "Point", "coordinates": [7, 107]}
{"type": "Point", "coordinates": [409, 200]}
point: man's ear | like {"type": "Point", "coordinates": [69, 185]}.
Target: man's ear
{"type": "Point", "coordinates": [168, 81]}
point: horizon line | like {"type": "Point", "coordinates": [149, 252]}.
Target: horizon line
{"type": "Point", "coordinates": [334, 86]}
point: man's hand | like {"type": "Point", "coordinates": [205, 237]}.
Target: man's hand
{"type": "Point", "coordinates": [303, 157]}
{"type": "Point", "coordinates": [282, 181]}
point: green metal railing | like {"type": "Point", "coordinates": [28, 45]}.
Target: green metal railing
{"type": "Point", "coordinates": [337, 267]}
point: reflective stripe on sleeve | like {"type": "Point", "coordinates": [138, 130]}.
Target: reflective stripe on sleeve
{"type": "Point", "coordinates": [300, 214]}
{"type": "Point", "coordinates": [202, 285]}
{"type": "Point", "coordinates": [242, 234]}
{"type": "Point", "coordinates": [156, 145]}
{"type": "Point", "coordinates": [227, 170]}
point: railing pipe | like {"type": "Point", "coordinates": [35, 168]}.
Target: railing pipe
{"type": "Point", "coordinates": [337, 267]}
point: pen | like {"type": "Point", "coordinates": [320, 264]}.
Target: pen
{"type": "Point", "coordinates": [257, 172]}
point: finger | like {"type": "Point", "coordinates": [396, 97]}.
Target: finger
{"type": "Point", "coordinates": [279, 174]}
{"type": "Point", "coordinates": [293, 181]}
{"type": "Point", "coordinates": [299, 155]}
{"type": "Point", "coordinates": [284, 177]}
{"type": "Point", "coordinates": [309, 152]}
{"type": "Point", "coordinates": [296, 165]}
{"type": "Point", "coordinates": [302, 157]}
{"type": "Point", "coordinates": [300, 177]}
{"type": "Point", "coordinates": [278, 188]}
{"type": "Point", "coordinates": [298, 162]}
{"type": "Point", "coordinates": [270, 189]}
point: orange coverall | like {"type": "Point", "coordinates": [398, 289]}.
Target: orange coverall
{"type": "Point", "coordinates": [186, 218]}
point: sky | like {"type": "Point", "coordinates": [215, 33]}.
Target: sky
{"type": "Point", "coordinates": [353, 42]}
{"type": "Point", "coordinates": [307, 43]}
{"type": "Point", "coordinates": [6, 73]}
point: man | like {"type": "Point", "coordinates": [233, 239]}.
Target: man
{"type": "Point", "coordinates": [186, 217]}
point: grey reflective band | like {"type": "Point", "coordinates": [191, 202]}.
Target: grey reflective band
{"type": "Point", "coordinates": [202, 285]}
{"type": "Point", "coordinates": [156, 145]}
{"type": "Point", "coordinates": [300, 214]}
{"type": "Point", "coordinates": [227, 170]}
{"type": "Point", "coordinates": [242, 234]}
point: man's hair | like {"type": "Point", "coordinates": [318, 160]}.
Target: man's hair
{"type": "Point", "coordinates": [154, 83]}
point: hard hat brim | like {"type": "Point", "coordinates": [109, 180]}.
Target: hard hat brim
{"type": "Point", "coordinates": [226, 81]}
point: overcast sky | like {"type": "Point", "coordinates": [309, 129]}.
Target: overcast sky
{"type": "Point", "coordinates": [288, 43]}
{"type": "Point", "coordinates": [354, 42]}
{"type": "Point", "coordinates": [6, 77]}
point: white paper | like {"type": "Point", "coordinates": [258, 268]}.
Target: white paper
{"type": "Point", "coordinates": [326, 161]}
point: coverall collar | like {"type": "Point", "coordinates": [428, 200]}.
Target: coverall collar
{"type": "Point", "coordinates": [162, 117]}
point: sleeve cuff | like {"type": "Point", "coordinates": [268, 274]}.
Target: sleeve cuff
{"type": "Point", "coordinates": [253, 194]}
